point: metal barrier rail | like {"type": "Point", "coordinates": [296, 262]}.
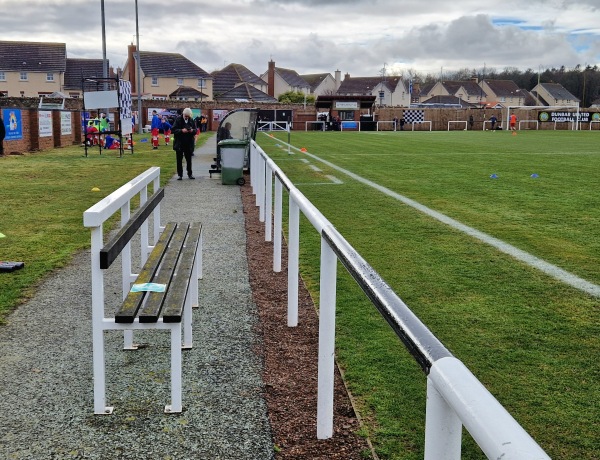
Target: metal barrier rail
{"type": "Point", "coordinates": [455, 398]}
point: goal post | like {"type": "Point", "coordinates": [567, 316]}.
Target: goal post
{"type": "Point", "coordinates": [570, 109]}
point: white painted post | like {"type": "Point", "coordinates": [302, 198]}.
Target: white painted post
{"type": "Point", "coordinates": [293, 262]}
{"type": "Point", "coordinates": [144, 232]}
{"type": "Point", "coordinates": [175, 405]}
{"type": "Point", "coordinates": [260, 195]}
{"type": "Point", "coordinates": [326, 370]}
{"type": "Point", "coordinates": [127, 274]}
{"type": "Point", "coordinates": [277, 226]}
{"type": "Point", "coordinates": [443, 428]}
{"type": "Point", "coordinates": [97, 319]}
{"type": "Point", "coordinates": [268, 202]}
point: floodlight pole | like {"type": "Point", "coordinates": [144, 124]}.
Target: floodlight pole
{"type": "Point", "coordinates": [139, 71]}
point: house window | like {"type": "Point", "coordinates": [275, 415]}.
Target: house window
{"type": "Point", "coordinates": [201, 83]}
{"type": "Point", "coordinates": [23, 76]}
{"type": "Point", "coordinates": [49, 76]}
{"type": "Point", "coordinates": [154, 81]}
{"type": "Point", "coordinates": [180, 81]}
{"type": "Point", "coordinates": [2, 76]}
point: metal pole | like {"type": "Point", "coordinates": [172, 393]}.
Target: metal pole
{"type": "Point", "coordinates": [139, 71]}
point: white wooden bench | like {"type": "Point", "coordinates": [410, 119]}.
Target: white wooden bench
{"type": "Point", "coordinates": [175, 261]}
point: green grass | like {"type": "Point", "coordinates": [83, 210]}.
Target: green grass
{"type": "Point", "coordinates": [42, 199]}
{"type": "Point", "coordinates": [532, 340]}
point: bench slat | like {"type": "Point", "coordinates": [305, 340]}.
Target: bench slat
{"type": "Point", "coordinates": [133, 301]}
{"type": "Point", "coordinates": [150, 312]}
{"type": "Point", "coordinates": [175, 299]}
{"type": "Point", "coordinates": [113, 248]}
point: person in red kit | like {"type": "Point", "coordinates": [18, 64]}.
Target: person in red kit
{"type": "Point", "coordinates": [154, 128]}
{"type": "Point", "coordinates": [166, 127]}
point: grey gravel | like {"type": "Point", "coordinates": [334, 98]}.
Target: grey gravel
{"type": "Point", "coordinates": [46, 387]}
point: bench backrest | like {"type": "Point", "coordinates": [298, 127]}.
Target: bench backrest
{"type": "Point", "coordinates": [113, 248]}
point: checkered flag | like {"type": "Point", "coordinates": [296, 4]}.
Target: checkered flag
{"type": "Point", "coordinates": [414, 116]}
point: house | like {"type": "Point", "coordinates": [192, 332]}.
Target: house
{"type": "Point", "coordinates": [281, 81]}
{"type": "Point", "coordinates": [468, 91]}
{"type": "Point", "coordinates": [31, 69]}
{"type": "Point", "coordinates": [388, 91]}
{"type": "Point", "coordinates": [322, 83]}
{"type": "Point", "coordinates": [553, 94]}
{"type": "Point", "coordinates": [245, 92]}
{"type": "Point", "coordinates": [503, 92]}
{"type": "Point", "coordinates": [163, 73]}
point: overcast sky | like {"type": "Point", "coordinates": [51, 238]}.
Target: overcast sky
{"type": "Point", "coordinates": [359, 37]}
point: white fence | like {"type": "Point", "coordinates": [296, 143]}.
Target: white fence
{"type": "Point", "coordinates": [460, 122]}
{"type": "Point", "coordinates": [272, 126]}
{"type": "Point", "coordinates": [455, 398]}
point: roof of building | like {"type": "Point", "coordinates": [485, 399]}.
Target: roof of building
{"type": "Point", "coordinates": [245, 93]}
{"type": "Point", "coordinates": [315, 79]}
{"type": "Point", "coordinates": [187, 91]}
{"type": "Point", "coordinates": [558, 92]}
{"type": "Point", "coordinates": [77, 69]}
{"type": "Point", "coordinates": [447, 100]}
{"type": "Point", "coordinates": [172, 65]}
{"type": "Point", "coordinates": [32, 56]}
{"type": "Point", "coordinates": [292, 78]}
{"type": "Point", "coordinates": [366, 85]}
{"type": "Point", "coordinates": [231, 76]}
{"type": "Point", "coordinates": [503, 88]}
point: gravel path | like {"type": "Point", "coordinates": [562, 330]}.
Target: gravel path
{"type": "Point", "coordinates": [46, 357]}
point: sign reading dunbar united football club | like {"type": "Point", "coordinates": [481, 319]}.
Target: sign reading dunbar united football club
{"type": "Point", "coordinates": [560, 117]}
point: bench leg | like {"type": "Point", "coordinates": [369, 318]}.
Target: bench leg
{"type": "Point", "coordinates": [190, 300]}
{"type": "Point", "coordinates": [100, 407]}
{"type": "Point", "coordinates": [128, 340]}
{"type": "Point", "coordinates": [175, 405]}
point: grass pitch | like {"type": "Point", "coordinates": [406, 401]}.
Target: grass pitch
{"type": "Point", "coordinates": [530, 338]}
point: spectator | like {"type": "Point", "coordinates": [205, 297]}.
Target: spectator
{"type": "Point", "coordinates": [184, 131]}
{"type": "Point", "coordinates": [493, 121]}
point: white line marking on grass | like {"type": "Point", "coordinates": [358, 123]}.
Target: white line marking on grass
{"type": "Point", "coordinates": [334, 179]}
{"type": "Point", "coordinates": [529, 259]}
{"type": "Point", "coordinates": [304, 160]}
{"type": "Point", "coordinates": [315, 168]}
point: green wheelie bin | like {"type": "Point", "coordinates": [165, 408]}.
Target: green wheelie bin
{"type": "Point", "coordinates": [233, 157]}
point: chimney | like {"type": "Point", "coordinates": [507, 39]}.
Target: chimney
{"type": "Point", "coordinates": [338, 79]}
{"type": "Point", "coordinates": [132, 67]}
{"type": "Point", "coordinates": [347, 76]}
{"type": "Point", "coordinates": [271, 78]}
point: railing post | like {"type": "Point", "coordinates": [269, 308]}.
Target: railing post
{"type": "Point", "coordinates": [277, 226]}
{"type": "Point", "coordinates": [260, 196]}
{"type": "Point", "coordinates": [326, 372]}
{"type": "Point", "coordinates": [293, 261]}
{"type": "Point", "coordinates": [443, 428]}
{"type": "Point", "coordinates": [268, 202]}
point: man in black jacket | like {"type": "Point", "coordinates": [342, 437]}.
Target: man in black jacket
{"type": "Point", "coordinates": [184, 131]}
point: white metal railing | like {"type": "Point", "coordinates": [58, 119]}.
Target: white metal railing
{"type": "Point", "coordinates": [421, 123]}
{"type": "Point", "coordinates": [273, 126]}
{"type": "Point", "coordinates": [313, 124]}
{"type": "Point", "coordinates": [387, 122]}
{"type": "Point", "coordinates": [457, 122]}
{"type": "Point", "coordinates": [537, 123]}
{"type": "Point", "coordinates": [455, 397]}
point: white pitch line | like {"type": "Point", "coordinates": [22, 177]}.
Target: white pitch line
{"type": "Point", "coordinates": [529, 259]}
{"type": "Point", "coordinates": [315, 168]}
